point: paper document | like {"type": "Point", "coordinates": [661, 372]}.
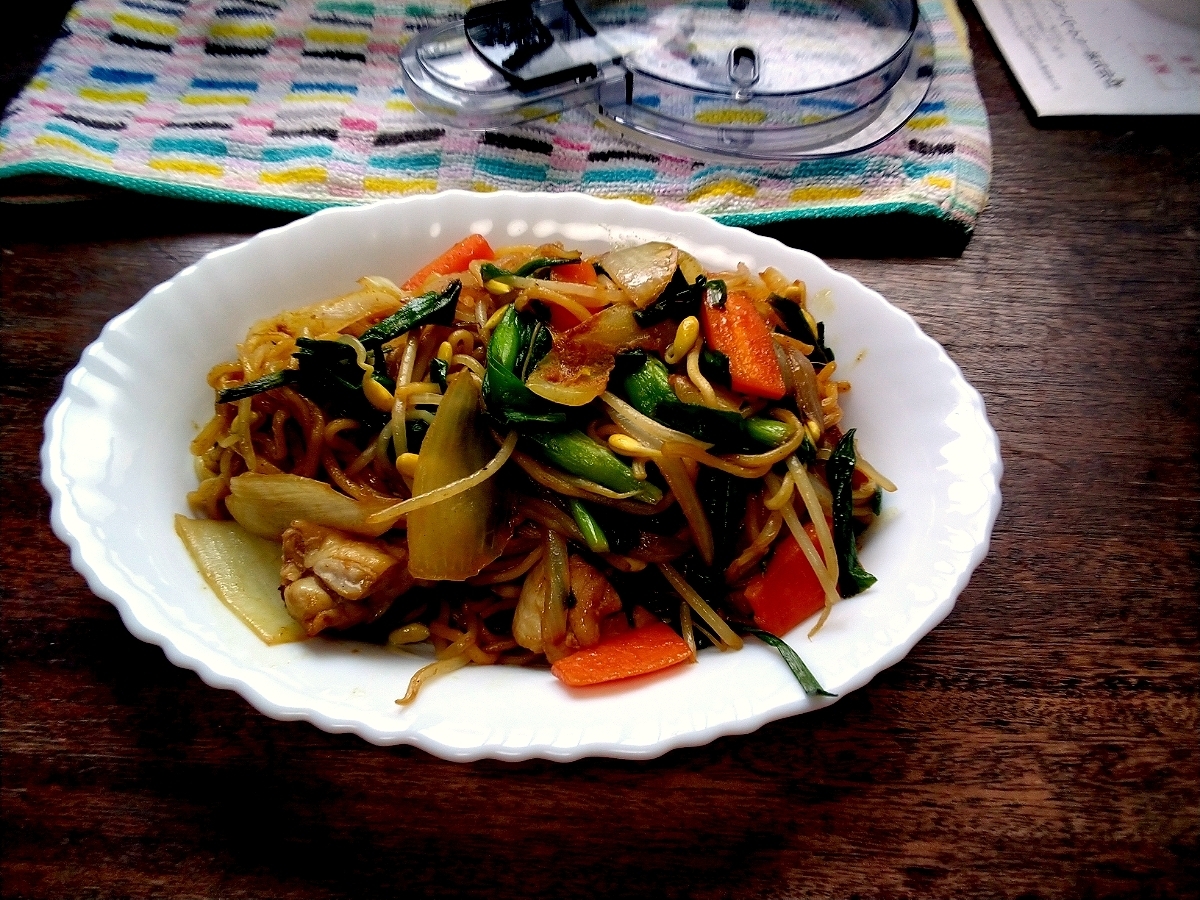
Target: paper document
{"type": "Point", "coordinates": [1101, 57]}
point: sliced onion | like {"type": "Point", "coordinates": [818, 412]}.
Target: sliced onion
{"type": "Point", "coordinates": [642, 427]}
{"type": "Point", "coordinates": [339, 313]}
{"type": "Point", "coordinates": [527, 617]}
{"type": "Point", "coordinates": [243, 570]}
{"type": "Point", "coordinates": [453, 538]}
{"type": "Point", "coordinates": [801, 375]}
{"type": "Point", "coordinates": [569, 386]}
{"type": "Point", "coordinates": [575, 372]}
{"type": "Point", "coordinates": [392, 513]}
{"type": "Point", "coordinates": [266, 505]}
{"type": "Point", "coordinates": [382, 283]}
{"type": "Point", "coordinates": [642, 272]}
{"type": "Point", "coordinates": [554, 614]}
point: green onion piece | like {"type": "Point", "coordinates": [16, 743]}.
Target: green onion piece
{"type": "Point", "coordinates": [542, 262]}
{"type": "Point", "coordinates": [839, 470]}
{"type": "Point", "coordinates": [593, 534]}
{"type": "Point", "coordinates": [505, 342]}
{"type": "Point", "coordinates": [796, 324]}
{"type": "Point", "coordinates": [648, 387]}
{"type": "Point", "coordinates": [650, 393]}
{"type": "Point", "coordinates": [578, 454]}
{"type": "Point", "coordinates": [266, 383]}
{"type": "Point", "coordinates": [505, 397]}
{"type": "Point", "coordinates": [724, 499]}
{"type": "Point", "coordinates": [769, 432]}
{"type": "Point", "coordinates": [492, 272]}
{"type": "Point", "coordinates": [794, 662]}
{"type": "Point", "coordinates": [438, 369]}
{"type": "Point", "coordinates": [714, 365]}
{"type": "Point", "coordinates": [435, 308]}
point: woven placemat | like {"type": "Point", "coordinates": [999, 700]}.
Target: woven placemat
{"type": "Point", "coordinates": [297, 106]}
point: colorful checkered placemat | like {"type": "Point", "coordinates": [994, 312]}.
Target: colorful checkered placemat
{"type": "Point", "coordinates": [298, 106]}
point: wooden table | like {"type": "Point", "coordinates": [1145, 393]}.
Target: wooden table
{"type": "Point", "coordinates": [1042, 742]}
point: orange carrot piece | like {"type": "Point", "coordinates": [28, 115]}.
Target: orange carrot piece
{"type": "Point", "coordinates": [789, 591]}
{"type": "Point", "coordinates": [575, 273]}
{"type": "Point", "coordinates": [636, 652]}
{"type": "Point", "coordinates": [456, 259]}
{"type": "Point", "coordinates": [738, 331]}
{"type": "Point", "coordinates": [562, 318]}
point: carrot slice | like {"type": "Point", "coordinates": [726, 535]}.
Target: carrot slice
{"type": "Point", "coordinates": [789, 591]}
{"type": "Point", "coordinates": [575, 273]}
{"type": "Point", "coordinates": [456, 259]}
{"type": "Point", "coordinates": [638, 652]}
{"type": "Point", "coordinates": [737, 330]}
{"type": "Point", "coordinates": [561, 319]}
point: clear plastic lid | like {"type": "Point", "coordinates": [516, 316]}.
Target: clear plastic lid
{"type": "Point", "coordinates": [756, 79]}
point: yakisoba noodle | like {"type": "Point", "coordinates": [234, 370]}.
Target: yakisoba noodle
{"type": "Point", "coordinates": [523, 457]}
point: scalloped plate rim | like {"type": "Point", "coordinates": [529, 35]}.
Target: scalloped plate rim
{"type": "Point", "coordinates": [90, 559]}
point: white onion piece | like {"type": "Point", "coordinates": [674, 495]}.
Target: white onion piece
{"type": "Point", "coordinates": [243, 570]}
{"type": "Point", "coordinates": [266, 505]}
{"type": "Point", "coordinates": [391, 514]}
{"type": "Point", "coordinates": [642, 272]}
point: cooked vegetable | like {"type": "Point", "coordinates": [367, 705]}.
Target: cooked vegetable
{"type": "Point", "coordinates": [737, 330]}
{"type": "Point", "coordinates": [455, 538]}
{"type": "Point", "coordinates": [643, 271]}
{"type": "Point", "coordinates": [796, 322]}
{"type": "Point", "coordinates": [581, 272]}
{"type": "Point", "coordinates": [788, 592]}
{"type": "Point", "coordinates": [578, 367]}
{"type": "Point", "coordinates": [618, 460]}
{"type": "Point", "coordinates": [505, 397]}
{"type": "Point", "coordinates": [794, 662]}
{"type": "Point", "coordinates": [649, 391]}
{"type": "Point", "coordinates": [266, 504]}
{"type": "Point", "coordinates": [490, 272]}
{"type": "Point", "coordinates": [456, 259]}
{"type": "Point", "coordinates": [839, 471]}
{"type": "Point", "coordinates": [593, 534]}
{"type": "Point", "coordinates": [328, 373]}
{"type": "Point", "coordinates": [433, 308]}
{"type": "Point", "coordinates": [682, 298]}
{"type": "Point", "coordinates": [575, 452]}
{"type": "Point", "coordinates": [243, 570]}
{"type": "Point", "coordinates": [638, 652]}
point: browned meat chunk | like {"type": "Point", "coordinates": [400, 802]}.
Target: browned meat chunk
{"type": "Point", "coordinates": [335, 580]}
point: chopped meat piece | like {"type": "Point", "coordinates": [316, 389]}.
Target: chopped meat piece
{"type": "Point", "coordinates": [595, 598]}
{"type": "Point", "coordinates": [335, 580]}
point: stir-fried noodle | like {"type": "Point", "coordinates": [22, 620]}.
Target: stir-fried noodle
{"type": "Point", "coordinates": [523, 455]}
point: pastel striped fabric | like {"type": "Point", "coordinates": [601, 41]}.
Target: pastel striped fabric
{"type": "Point", "coordinates": [298, 106]}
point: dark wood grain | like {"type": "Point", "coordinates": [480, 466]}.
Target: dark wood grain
{"type": "Point", "coordinates": [1042, 742]}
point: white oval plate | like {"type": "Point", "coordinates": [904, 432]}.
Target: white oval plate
{"type": "Point", "coordinates": [116, 463]}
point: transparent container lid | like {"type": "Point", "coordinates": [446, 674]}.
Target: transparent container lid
{"type": "Point", "coordinates": [750, 79]}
